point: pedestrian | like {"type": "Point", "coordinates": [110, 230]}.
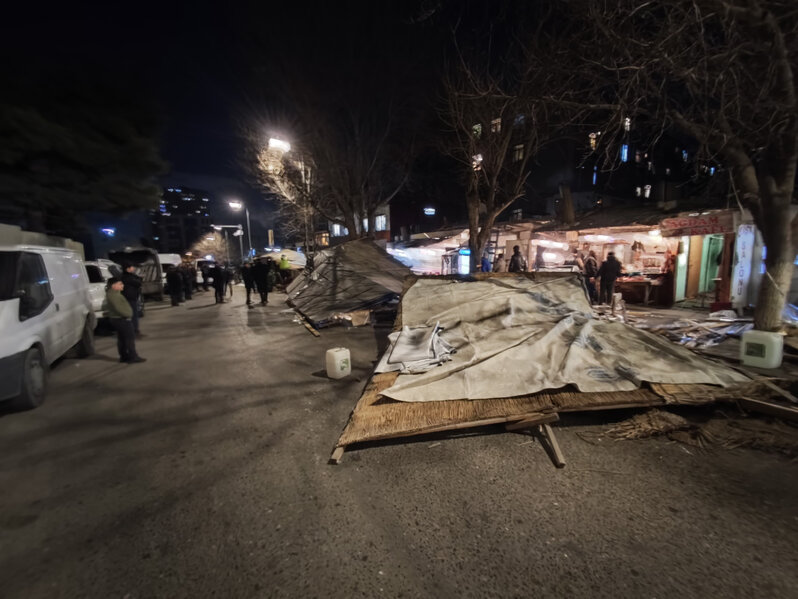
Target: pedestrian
{"type": "Point", "coordinates": [132, 293]}
{"type": "Point", "coordinates": [174, 282]}
{"type": "Point", "coordinates": [248, 276]}
{"type": "Point", "coordinates": [188, 280]}
{"type": "Point", "coordinates": [206, 276]}
{"type": "Point", "coordinates": [219, 280]}
{"type": "Point", "coordinates": [119, 314]}
{"type": "Point", "coordinates": [285, 269]}
{"type": "Point", "coordinates": [607, 273]}
{"type": "Point", "coordinates": [500, 264]}
{"type": "Point", "coordinates": [591, 272]}
{"type": "Point", "coordinates": [260, 276]}
{"type": "Point", "coordinates": [517, 261]}
{"type": "Point", "coordinates": [485, 263]}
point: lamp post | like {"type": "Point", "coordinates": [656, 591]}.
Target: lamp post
{"type": "Point", "coordinates": [237, 233]}
{"type": "Point", "coordinates": [237, 205]}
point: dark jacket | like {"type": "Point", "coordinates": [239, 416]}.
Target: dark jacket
{"type": "Point", "coordinates": [132, 289]}
{"type": "Point", "coordinates": [260, 273]}
{"type": "Point", "coordinates": [610, 269]}
{"type": "Point", "coordinates": [219, 276]}
{"type": "Point", "coordinates": [248, 276]}
{"type": "Point", "coordinates": [517, 263]}
{"type": "Point", "coordinates": [174, 281]}
{"type": "Point", "coordinates": [591, 266]}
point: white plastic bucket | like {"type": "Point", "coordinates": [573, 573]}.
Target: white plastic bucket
{"type": "Point", "coordinates": [762, 349]}
{"type": "Point", "coordinates": [338, 363]}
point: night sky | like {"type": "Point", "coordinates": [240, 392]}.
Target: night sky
{"type": "Point", "coordinates": [205, 69]}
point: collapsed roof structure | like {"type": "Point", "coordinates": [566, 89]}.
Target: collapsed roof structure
{"type": "Point", "coordinates": [357, 275]}
{"type": "Point", "coordinates": [527, 346]}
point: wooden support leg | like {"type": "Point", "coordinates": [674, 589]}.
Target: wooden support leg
{"type": "Point", "coordinates": [555, 454]}
{"type": "Point", "coordinates": [337, 455]}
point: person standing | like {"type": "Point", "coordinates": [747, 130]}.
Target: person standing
{"type": "Point", "coordinates": [607, 273]}
{"type": "Point", "coordinates": [188, 280]}
{"type": "Point", "coordinates": [540, 261]}
{"type": "Point", "coordinates": [219, 280]}
{"type": "Point", "coordinates": [248, 276]}
{"type": "Point", "coordinates": [260, 275]}
{"type": "Point", "coordinates": [517, 261]}
{"type": "Point", "coordinates": [120, 314]}
{"type": "Point", "coordinates": [175, 284]}
{"type": "Point", "coordinates": [485, 263]}
{"type": "Point", "coordinates": [591, 272]}
{"type": "Point", "coordinates": [132, 293]}
{"type": "Point", "coordinates": [285, 269]}
{"type": "Point", "coordinates": [500, 265]}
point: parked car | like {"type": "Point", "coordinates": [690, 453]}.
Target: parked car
{"type": "Point", "coordinates": [45, 311]}
{"type": "Point", "coordinates": [148, 267]}
{"type": "Point", "coordinates": [98, 272]}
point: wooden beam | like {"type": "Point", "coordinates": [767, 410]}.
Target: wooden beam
{"type": "Point", "coordinates": [766, 407]}
{"type": "Point", "coordinates": [337, 455]}
{"type": "Point", "coordinates": [532, 422]}
{"type": "Point", "coordinates": [555, 454]}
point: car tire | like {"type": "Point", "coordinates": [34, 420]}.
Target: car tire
{"type": "Point", "coordinates": [34, 381]}
{"type": "Point", "coordinates": [85, 347]}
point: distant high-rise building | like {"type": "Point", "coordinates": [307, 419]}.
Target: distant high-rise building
{"type": "Point", "coordinates": [182, 217]}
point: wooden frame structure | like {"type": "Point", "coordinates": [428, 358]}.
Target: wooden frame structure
{"type": "Point", "coordinates": [377, 418]}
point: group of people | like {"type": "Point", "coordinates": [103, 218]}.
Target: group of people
{"type": "Point", "coordinates": [123, 293]}
{"type": "Point", "coordinates": [599, 279]}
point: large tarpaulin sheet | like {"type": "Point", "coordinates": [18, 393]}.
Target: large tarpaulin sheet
{"type": "Point", "coordinates": [515, 336]}
{"type": "Point", "coordinates": [352, 276]}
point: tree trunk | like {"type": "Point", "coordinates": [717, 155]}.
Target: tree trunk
{"type": "Point", "coordinates": [472, 201]}
{"type": "Point", "coordinates": [776, 228]}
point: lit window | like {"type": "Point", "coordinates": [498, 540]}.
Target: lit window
{"type": "Point", "coordinates": [476, 162]}
{"type": "Point", "coordinates": [638, 191]}
{"type": "Point", "coordinates": [593, 140]}
{"type": "Point", "coordinates": [477, 130]}
{"type": "Point", "coordinates": [627, 124]}
{"type": "Point", "coordinates": [667, 171]}
{"type": "Point", "coordinates": [518, 153]}
{"type": "Point", "coordinates": [711, 171]}
{"type": "Point", "coordinates": [339, 230]}
{"type": "Point", "coordinates": [380, 222]}
{"type": "Point", "coordinates": [496, 126]}
{"type": "Point", "coordinates": [647, 191]}
{"type": "Point", "coordinates": [685, 155]}
{"type": "Point", "coordinates": [625, 153]}
{"type": "Point", "coordinates": [366, 225]}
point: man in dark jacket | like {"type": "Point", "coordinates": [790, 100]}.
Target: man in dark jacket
{"type": "Point", "coordinates": [517, 261]}
{"type": "Point", "coordinates": [260, 273]}
{"type": "Point", "coordinates": [591, 272]}
{"type": "Point", "coordinates": [248, 276]}
{"type": "Point", "coordinates": [175, 284]}
{"type": "Point", "coordinates": [219, 280]}
{"type": "Point", "coordinates": [132, 292]}
{"type": "Point", "coordinates": [608, 272]}
{"type": "Point", "coordinates": [119, 314]}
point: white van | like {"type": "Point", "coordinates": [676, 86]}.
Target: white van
{"type": "Point", "coordinates": [45, 311]}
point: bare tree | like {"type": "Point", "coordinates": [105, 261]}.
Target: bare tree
{"type": "Point", "coordinates": [213, 244]}
{"type": "Point", "coordinates": [722, 72]}
{"type": "Point", "coordinates": [499, 120]}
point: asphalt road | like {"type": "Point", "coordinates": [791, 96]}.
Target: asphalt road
{"type": "Point", "coordinates": [203, 473]}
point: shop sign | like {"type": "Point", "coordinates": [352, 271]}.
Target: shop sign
{"type": "Point", "coordinates": [743, 258]}
{"type": "Point", "coordinates": [698, 224]}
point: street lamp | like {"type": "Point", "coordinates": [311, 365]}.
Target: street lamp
{"type": "Point", "coordinates": [238, 205]}
{"type": "Point", "coordinates": [237, 233]}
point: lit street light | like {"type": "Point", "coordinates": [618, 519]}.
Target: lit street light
{"type": "Point", "coordinates": [237, 233]}
{"type": "Point", "coordinates": [238, 205]}
{"type": "Point", "coordinates": [279, 144]}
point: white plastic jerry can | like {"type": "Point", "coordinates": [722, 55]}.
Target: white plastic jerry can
{"type": "Point", "coordinates": [339, 364]}
{"type": "Point", "coordinates": [761, 349]}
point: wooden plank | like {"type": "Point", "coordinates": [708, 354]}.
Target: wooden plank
{"type": "Point", "coordinates": [548, 434]}
{"type": "Point", "coordinates": [766, 407]}
{"type": "Point", "coordinates": [309, 327]}
{"type": "Point", "coordinates": [768, 383]}
{"type": "Point", "coordinates": [532, 422]}
{"type": "Point", "coordinates": [336, 456]}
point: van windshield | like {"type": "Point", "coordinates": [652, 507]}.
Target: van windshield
{"type": "Point", "coordinates": [8, 274]}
